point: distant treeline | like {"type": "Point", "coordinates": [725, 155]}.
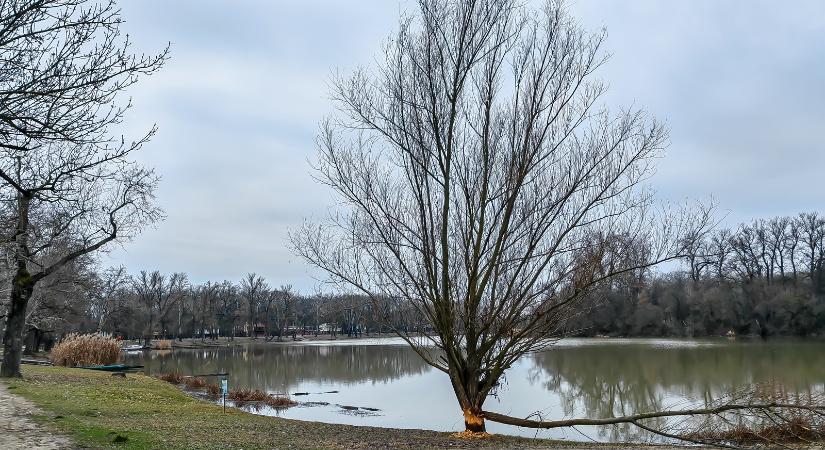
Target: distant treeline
{"type": "Point", "coordinates": [765, 278]}
{"type": "Point", "coordinates": [151, 305]}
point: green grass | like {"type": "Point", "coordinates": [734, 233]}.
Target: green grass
{"type": "Point", "coordinates": [100, 411]}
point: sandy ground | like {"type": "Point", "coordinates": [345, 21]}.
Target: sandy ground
{"type": "Point", "coordinates": [18, 431]}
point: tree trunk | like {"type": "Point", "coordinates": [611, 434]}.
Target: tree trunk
{"type": "Point", "coordinates": [467, 386]}
{"type": "Point", "coordinates": [252, 320]}
{"type": "Point", "coordinates": [147, 337]}
{"type": "Point", "coordinates": [21, 292]}
{"type": "Point", "coordinates": [474, 421]}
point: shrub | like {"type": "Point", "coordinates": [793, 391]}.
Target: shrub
{"type": "Point", "coordinates": [85, 350]}
{"type": "Point", "coordinates": [163, 344]}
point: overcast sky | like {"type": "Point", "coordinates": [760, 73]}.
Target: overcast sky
{"type": "Point", "coordinates": [741, 85]}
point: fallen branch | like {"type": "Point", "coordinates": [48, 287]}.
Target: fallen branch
{"type": "Point", "coordinates": [758, 416]}
{"type": "Point", "coordinates": [528, 423]}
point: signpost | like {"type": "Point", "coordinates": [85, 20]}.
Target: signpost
{"type": "Point", "coordinates": [224, 390]}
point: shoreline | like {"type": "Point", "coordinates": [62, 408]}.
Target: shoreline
{"type": "Point", "coordinates": [197, 343]}
{"type": "Point", "coordinates": [97, 410]}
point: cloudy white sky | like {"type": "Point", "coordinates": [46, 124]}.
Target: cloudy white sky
{"type": "Point", "coordinates": [741, 84]}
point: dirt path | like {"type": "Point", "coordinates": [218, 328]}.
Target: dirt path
{"type": "Point", "coordinates": [18, 431]}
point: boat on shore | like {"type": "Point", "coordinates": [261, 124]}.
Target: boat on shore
{"type": "Point", "coordinates": [134, 348]}
{"type": "Point", "coordinates": [112, 367]}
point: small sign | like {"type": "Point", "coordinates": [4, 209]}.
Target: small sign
{"type": "Point", "coordinates": [224, 386]}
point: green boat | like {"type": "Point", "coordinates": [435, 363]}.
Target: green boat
{"type": "Point", "coordinates": [111, 367]}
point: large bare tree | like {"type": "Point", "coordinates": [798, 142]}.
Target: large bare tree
{"type": "Point", "coordinates": [66, 176]}
{"type": "Point", "coordinates": [484, 183]}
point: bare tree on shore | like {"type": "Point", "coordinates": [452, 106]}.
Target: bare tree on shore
{"type": "Point", "coordinates": [255, 291]}
{"type": "Point", "coordinates": [487, 187]}
{"type": "Point", "coordinates": [65, 177]}
{"type": "Point", "coordinates": [159, 295]}
{"type": "Point", "coordinates": [108, 295]}
{"type": "Point", "coordinates": [228, 302]}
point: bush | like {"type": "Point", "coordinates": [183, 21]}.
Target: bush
{"type": "Point", "coordinates": [163, 344]}
{"type": "Point", "coordinates": [85, 350]}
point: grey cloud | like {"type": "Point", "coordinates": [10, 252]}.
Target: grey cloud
{"type": "Point", "coordinates": [740, 83]}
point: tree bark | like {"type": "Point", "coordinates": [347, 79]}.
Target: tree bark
{"type": "Point", "coordinates": [470, 394]}
{"type": "Point", "coordinates": [474, 420]}
{"type": "Point", "coordinates": [21, 292]}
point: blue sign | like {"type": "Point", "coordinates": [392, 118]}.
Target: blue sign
{"type": "Point", "coordinates": [224, 386]}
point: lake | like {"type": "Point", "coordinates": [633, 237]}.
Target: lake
{"type": "Point", "coordinates": [576, 377]}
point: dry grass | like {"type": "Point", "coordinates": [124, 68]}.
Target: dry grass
{"type": "Point", "coordinates": [195, 382]}
{"type": "Point", "coordinates": [801, 422]}
{"type": "Point", "coordinates": [171, 377]}
{"type": "Point", "coordinates": [244, 396]}
{"type": "Point", "coordinates": [241, 397]}
{"type": "Point", "coordinates": [213, 390]}
{"type": "Point", "coordinates": [85, 350]}
{"type": "Point", "coordinates": [162, 344]}
{"type": "Point", "coordinates": [796, 430]}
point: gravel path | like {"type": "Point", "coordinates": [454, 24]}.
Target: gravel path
{"type": "Point", "coordinates": [18, 431]}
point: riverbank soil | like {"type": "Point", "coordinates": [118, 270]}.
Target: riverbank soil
{"type": "Point", "coordinates": [97, 410]}
{"type": "Point", "coordinates": [19, 431]}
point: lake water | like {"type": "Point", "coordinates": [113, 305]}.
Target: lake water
{"type": "Point", "coordinates": [576, 377]}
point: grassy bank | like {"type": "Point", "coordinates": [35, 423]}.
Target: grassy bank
{"type": "Point", "coordinates": [138, 412]}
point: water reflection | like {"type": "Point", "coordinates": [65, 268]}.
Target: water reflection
{"type": "Point", "coordinates": [583, 377]}
{"type": "Point", "coordinates": [284, 368]}
{"type": "Point", "coordinates": [626, 377]}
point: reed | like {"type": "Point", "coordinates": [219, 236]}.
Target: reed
{"type": "Point", "coordinates": [85, 350]}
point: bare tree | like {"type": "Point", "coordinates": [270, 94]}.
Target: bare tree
{"type": "Point", "coordinates": [812, 232]}
{"type": "Point", "coordinates": [204, 297]}
{"type": "Point", "coordinates": [107, 296]}
{"type": "Point", "coordinates": [254, 290]}
{"type": "Point", "coordinates": [59, 303]}
{"type": "Point", "coordinates": [65, 177]}
{"type": "Point", "coordinates": [493, 200]}
{"type": "Point", "coordinates": [228, 303]}
{"type": "Point", "coordinates": [283, 309]}
{"type": "Point", "coordinates": [159, 295]}
{"type": "Point", "coordinates": [268, 305]}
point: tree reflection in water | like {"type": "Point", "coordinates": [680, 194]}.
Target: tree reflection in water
{"type": "Point", "coordinates": [620, 377]}
{"type": "Point", "coordinates": [282, 368]}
